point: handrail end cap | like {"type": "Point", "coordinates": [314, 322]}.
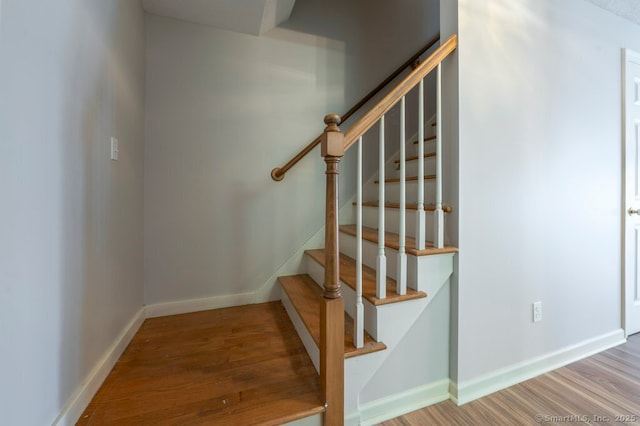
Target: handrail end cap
{"type": "Point", "coordinates": [276, 174]}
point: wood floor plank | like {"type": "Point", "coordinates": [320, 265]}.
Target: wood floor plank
{"type": "Point", "coordinates": [595, 390]}
{"type": "Point", "coordinates": [234, 366]}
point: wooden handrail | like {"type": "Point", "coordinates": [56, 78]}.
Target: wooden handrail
{"type": "Point", "coordinates": [381, 108]}
{"type": "Point", "coordinates": [278, 173]}
{"type": "Point", "coordinates": [409, 62]}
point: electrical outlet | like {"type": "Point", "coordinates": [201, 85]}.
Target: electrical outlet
{"type": "Point", "coordinates": [537, 311]}
{"type": "Point", "coordinates": [114, 149]}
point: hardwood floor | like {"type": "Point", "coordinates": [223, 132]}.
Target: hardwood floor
{"type": "Point", "coordinates": [235, 366]}
{"type": "Point", "coordinates": [196, 369]}
{"type": "Point", "coordinates": [602, 389]}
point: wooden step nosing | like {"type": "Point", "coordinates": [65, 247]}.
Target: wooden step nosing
{"type": "Point", "coordinates": [410, 179]}
{"type": "Point", "coordinates": [426, 139]}
{"type": "Point", "coordinates": [366, 349]}
{"type": "Point", "coordinates": [371, 345]}
{"type": "Point", "coordinates": [392, 297]}
{"type": "Point", "coordinates": [427, 156]}
{"type": "Point", "coordinates": [409, 248]}
{"type": "Point", "coordinates": [430, 208]}
{"type": "Point", "coordinates": [348, 283]}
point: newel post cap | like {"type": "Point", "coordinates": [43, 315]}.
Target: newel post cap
{"type": "Point", "coordinates": [332, 121]}
{"type": "Point", "coordinates": [332, 138]}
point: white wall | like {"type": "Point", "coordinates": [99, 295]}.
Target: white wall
{"type": "Point", "coordinates": [223, 109]}
{"type": "Point", "coordinates": [540, 178]}
{"type": "Point", "coordinates": [71, 75]}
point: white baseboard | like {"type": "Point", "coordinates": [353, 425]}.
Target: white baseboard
{"type": "Point", "coordinates": [267, 292]}
{"type": "Point", "coordinates": [467, 391]}
{"type": "Point", "coordinates": [402, 403]}
{"type": "Point", "coordinates": [195, 305]}
{"type": "Point", "coordinates": [82, 397]}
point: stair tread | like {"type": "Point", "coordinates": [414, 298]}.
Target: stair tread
{"type": "Point", "coordinates": [391, 240]}
{"type": "Point", "coordinates": [415, 157]}
{"type": "Point", "coordinates": [426, 139]}
{"type": "Point", "coordinates": [348, 276]}
{"type": "Point", "coordinates": [410, 178]}
{"type": "Point", "coordinates": [410, 206]}
{"type": "Point", "coordinates": [305, 295]}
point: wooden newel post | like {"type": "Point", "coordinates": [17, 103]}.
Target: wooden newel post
{"type": "Point", "coordinates": [332, 304]}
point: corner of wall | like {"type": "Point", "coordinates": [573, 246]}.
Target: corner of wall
{"type": "Point", "coordinates": [79, 401]}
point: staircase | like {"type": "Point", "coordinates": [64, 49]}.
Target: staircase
{"type": "Point", "coordinates": [428, 272]}
{"type": "Point", "coordinates": [380, 297]}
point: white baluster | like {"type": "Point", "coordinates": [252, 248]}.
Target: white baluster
{"type": "Point", "coordinates": [381, 261]}
{"type": "Point", "coordinates": [438, 240]}
{"type": "Point", "coordinates": [420, 214]}
{"type": "Point", "coordinates": [358, 336]}
{"type": "Point", "coordinates": [401, 279]}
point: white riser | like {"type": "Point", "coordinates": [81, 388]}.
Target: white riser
{"type": "Point", "coordinates": [428, 147]}
{"type": "Point", "coordinates": [392, 221]}
{"type": "Point", "coordinates": [412, 167]}
{"type": "Point", "coordinates": [370, 256]}
{"type": "Point", "coordinates": [316, 420]}
{"type": "Point", "coordinates": [424, 273]}
{"type": "Point", "coordinates": [392, 191]}
{"type": "Point", "coordinates": [316, 271]}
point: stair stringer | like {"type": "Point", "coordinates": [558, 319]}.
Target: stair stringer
{"type": "Point", "coordinates": [416, 373]}
{"type": "Point", "coordinates": [392, 323]}
{"type": "Point", "coordinates": [395, 321]}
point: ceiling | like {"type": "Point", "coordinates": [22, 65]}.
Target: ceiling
{"type": "Point", "coordinates": [629, 9]}
{"type": "Point", "coordinates": [244, 16]}
{"type": "Point", "coordinates": [258, 16]}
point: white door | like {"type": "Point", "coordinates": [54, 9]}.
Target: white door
{"type": "Point", "coordinates": [631, 69]}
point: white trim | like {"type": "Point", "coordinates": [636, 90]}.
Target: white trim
{"type": "Point", "coordinates": [352, 419]}
{"type": "Point", "coordinates": [195, 305]}
{"type": "Point", "coordinates": [520, 372]}
{"type": "Point", "coordinates": [402, 403]}
{"type": "Point", "coordinates": [628, 56]}
{"type": "Point", "coordinates": [453, 392]}
{"type": "Point", "coordinates": [79, 401]}
{"type": "Point", "coordinates": [315, 420]}
{"type": "Point", "coordinates": [301, 329]}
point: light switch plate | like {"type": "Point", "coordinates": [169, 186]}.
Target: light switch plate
{"type": "Point", "coordinates": [114, 149]}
